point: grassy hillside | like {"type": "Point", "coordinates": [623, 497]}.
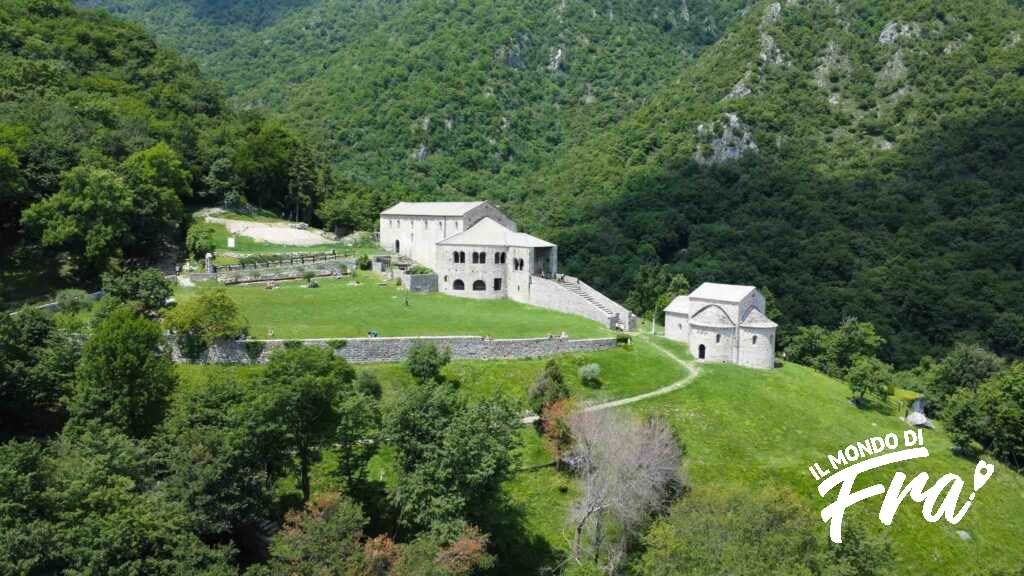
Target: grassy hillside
{"type": "Point", "coordinates": [739, 426]}
{"type": "Point", "coordinates": [751, 427]}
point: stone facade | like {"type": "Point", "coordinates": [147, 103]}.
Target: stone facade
{"type": "Point", "coordinates": [723, 323]}
{"type": "Point", "coordinates": [478, 253]}
{"type": "Point", "coordinates": [396, 349]}
{"type": "Point", "coordinates": [420, 282]}
{"type": "Point", "coordinates": [413, 229]}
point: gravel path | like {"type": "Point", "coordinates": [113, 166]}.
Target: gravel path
{"type": "Point", "coordinates": [273, 232]}
{"type": "Point", "coordinates": [692, 370]}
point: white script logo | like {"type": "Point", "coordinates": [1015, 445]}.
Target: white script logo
{"type": "Point", "coordinates": [845, 465]}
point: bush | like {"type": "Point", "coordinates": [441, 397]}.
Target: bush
{"type": "Point", "coordinates": [147, 287]}
{"type": "Point", "coordinates": [308, 276]}
{"type": "Point", "coordinates": [549, 388]}
{"type": "Point", "coordinates": [363, 262]}
{"type": "Point", "coordinates": [590, 375]}
{"type": "Point", "coordinates": [292, 344]}
{"type": "Point", "coordinates": [337, 344]}
{"type": "Point", "coordinates": [73, 301]}
{"type": "Point", "coordinates": [425, 362]}
{"type": "Point", "coordinates": [367, 383]}
{"type": "Point", "coordinates": [253, 349]}
{"type": "Point", "coordinates": [417, 270]}
{"type": "Point", "coordinates": [212, 315]}
{"type": "Point", "coordinates": [199, 240]}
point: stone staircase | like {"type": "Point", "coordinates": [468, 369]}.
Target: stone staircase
{"type": "Point", "coordinates": [575, 288]}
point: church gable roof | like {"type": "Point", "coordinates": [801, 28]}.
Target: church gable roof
{"type": "Point", "coordinates": [679, 305]}
{"type": "Point", "coordinates": [721, 292]}
{"type": "Point", "coordinates": [431, 208]}
{"type": "Point", "coordinates": [756, 319]}
{"type": "Point", "coordinates": [711, 317]}
{"type": "Point", "coordinates": [488, 232]}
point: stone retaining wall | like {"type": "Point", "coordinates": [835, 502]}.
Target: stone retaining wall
{"type": "Point", "coordinates": [396, 349]}
{"type": "Point", "coordinates": [420, 282]}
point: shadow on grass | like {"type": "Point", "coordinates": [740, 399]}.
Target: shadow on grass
{"type": "Point", "coordinates": [518, 553]}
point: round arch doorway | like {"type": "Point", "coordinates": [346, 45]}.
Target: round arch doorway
{"type": "Point", "coordinates": [701, 352]}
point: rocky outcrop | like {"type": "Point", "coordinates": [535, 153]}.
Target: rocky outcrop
{"type": "Point", "coordinates": [895, 70]}
{"type": "Point", "coordinates": [557, 61]}
{"type": "Point", "coordinates": [895, 30]}
{"type": "Point", "coordinates": [832, 60]}
{"type": "Point", "coordinates": [741, 89]}
{"type": "Point", "coordinates": [724, 141]}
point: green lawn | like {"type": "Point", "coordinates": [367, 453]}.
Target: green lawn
{"type": "Point", "coordinates": [337, 310]}
{"type": "Point", "coordinates": [625, 371]}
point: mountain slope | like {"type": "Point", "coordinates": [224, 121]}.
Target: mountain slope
{"type": "Point", "coordinates": [859, 157]}
{"type": "Point", "coordinates": [82, 88]}
{"type": "Point", "coordinates": [434, 97]}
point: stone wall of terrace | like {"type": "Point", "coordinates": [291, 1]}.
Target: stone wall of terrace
{"type": "Point", "coordinates": [396, 349]}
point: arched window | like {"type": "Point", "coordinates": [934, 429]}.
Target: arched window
{"type": "Point", "coordinates": [497, 284]}
{"type": "Point", "coordinates": [483, 257]}
{"type": "Point", "coordinates": [479, 286]}
{"type": "Point", "coordinates": [462, 257]}
{"type": "Point", "coordinates": [755, 339]}
{"type": "Point", "coordinates": [718, 338]}
{"type": "Point", "coordinates": [476, 257]}
{"type": "Point", "coordinates": [458, 285]}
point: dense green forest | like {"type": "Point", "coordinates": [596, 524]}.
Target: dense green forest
{"type": "Point", "coordinates": [885, 183]}
{"type": "Point", "coordinates": [433, 97]}
{"type": "Point", "coordinates": [105, 137]}
{"type": "Point", "coordinates": [854, 159]}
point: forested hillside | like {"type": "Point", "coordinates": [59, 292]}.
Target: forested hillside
{"type": "Point", "coordinates": [105, 136]}
{"type": "Point", "coordinates": [861, 157]}
{"type": "Point", "coordinates": [433, 97]}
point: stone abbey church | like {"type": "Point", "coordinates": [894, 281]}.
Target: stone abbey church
{"type": "Point", "coordinates": [477, 251]}
{"type": "Point", "coordinates": [723, 323]}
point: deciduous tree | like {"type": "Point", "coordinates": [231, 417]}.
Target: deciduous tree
{"type": "Point", "coordinates": [125, 377]}
{"type": "Point", "coordinates": [301, 386]}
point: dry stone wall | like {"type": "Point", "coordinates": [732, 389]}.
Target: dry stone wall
{"type": "Point", "coordinates": [396, 349]}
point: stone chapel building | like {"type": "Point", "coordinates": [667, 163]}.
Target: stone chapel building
{"type": "Point", "coordinates": [723, 323]}
{"type": "Point", "coordinates": [478, 252]}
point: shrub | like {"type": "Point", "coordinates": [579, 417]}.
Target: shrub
{"type": "Point", "coordinates": [147, 287]}
{"type": "Point", "coordinates": [590, 375]}
{"type": "Point", "coordinates": [425, 362]}
{"type": "Point", "coordinates": [73, 300]}
{"type": "Point", "coordinates": [549, 388]}
{"type": "Point", "coordinates": [212, 315]}
{"type": "Point", "coordinates": [622, 339]}
{"type": "Point", "coordinates": [416, 270]}
{"type": "Point", "coordinates": [337, 344]}
{"type": "Point", "coordinates": [199, 240]}
{"type": "Point", "coordinates": [308, 276]}
{"type": "Point", "coordinates": [367, 383]}
{"type": "Point", "coordinates": [292, 344]}
{"type": "Point", "coordinates": [363, 262]}
{"type": "Point", "coordinates": [253, 349]}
